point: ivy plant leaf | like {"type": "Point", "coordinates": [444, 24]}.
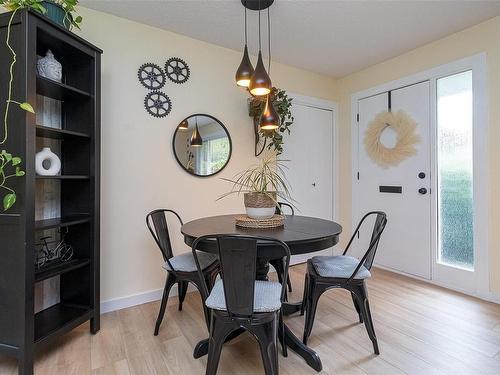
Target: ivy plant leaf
{"type": "Point", "coordinates": [16, 160]}
{"type": "Point", "coordinates": [27, 107]}
{"type": "Point", "coordinates": [8, 201]}
{"type": "Point", "coordinates": [19, 172]}
{"type": "Point", "coordinates": [6, 155]}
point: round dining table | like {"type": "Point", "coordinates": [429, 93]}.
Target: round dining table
{"type": "Point", "coordinates": [302, 234]}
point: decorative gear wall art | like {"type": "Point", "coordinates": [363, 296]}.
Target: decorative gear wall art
{"type": "Point", "coordinates": [151, 76]}
{"type": "Point", "coordinates": [157, 104]}
{"type": "Point", "coordinates": [177, 70]}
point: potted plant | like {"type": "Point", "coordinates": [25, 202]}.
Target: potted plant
{"type": "Point", "coordinates": [261, 185]}
{"type": "Point", "coordinates": [61, 12]}
{"type": "Point", "coordinates": [283, 104]}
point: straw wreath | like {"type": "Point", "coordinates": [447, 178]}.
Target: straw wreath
{"type": "Point", "coordinates": [407, 138]}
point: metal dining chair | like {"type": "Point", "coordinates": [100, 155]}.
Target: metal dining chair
{"type": "Point", "coordinates": [343, 271]}
{"type": "Point", "coordinates": [238, 301]}
{"type": "Point", "coordinates": [274, 263]}
{"type": "Point", "coordinates": [279, 208]}
{"type": "Point", "coordinates": [181, 269]}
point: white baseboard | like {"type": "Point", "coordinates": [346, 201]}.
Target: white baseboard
{"type": "Point", "coordinates": [490, 296]}
{"type": "Point", "coordinates": [137, 299]}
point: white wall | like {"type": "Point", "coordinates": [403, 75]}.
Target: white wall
{"type": "Point", "coordinates": [483, 37]}
{"type": "Point", "coordinates": [139, 171]}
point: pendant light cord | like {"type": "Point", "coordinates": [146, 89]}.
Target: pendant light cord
{"type": "Point", "coordinates": [245, 23]}
{"type": "Point", "coordinates": [269, 40]}
{"type": "Point", "coordinates": [259, 29]}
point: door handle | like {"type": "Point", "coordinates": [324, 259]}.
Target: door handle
{"type": "Point", "coordinates": [314, 184]}
{"type": "Point", "coordinates": [422, 191]}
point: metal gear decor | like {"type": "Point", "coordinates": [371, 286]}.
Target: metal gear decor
{"type": "Point", "coordinates": [151, 76]}
{"type": "Point", "coordinates": [177, 70]}
{"type": "Point", "coordinates": [158, 104]}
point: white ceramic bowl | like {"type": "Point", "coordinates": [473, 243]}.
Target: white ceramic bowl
{"type": "Point", "coordinates": [260, 213]}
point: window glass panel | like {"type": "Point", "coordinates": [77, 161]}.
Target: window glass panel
{"type": "Point", "coordinates": [455, 199]}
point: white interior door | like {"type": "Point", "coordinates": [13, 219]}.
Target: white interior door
{"type": "Point", "coordinates": [406, 243]}
{"type": "Point", "coordinates": [310, 151]}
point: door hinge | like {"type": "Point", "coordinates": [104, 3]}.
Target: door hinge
{"type": "Point", "coordinates": [358, 176]}
{"type": "Point", "coordinates": [357, 117]}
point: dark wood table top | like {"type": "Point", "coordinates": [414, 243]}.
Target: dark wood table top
{"type": "Point", "coordinates": [302, 234]}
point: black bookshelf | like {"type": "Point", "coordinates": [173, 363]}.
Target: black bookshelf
{"type": "Point", "coordinates": [76, 189]}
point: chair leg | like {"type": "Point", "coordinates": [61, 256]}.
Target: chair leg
{"type": "Point", "coordinates": [278, 266]}
{"type": "Point", "coordinates": [166, 291]}
{"type": "Point", "coordinates": [210, 280]}
{"type": "Point", "coordinates": [356, 306]}
{"type": "Point", "coordinates": [218, 333]}
{"type": "Point", "coordinates": [312, 303]}
{"type": "Point", "coordinates": [284, 347]}
{"type": "Point", "coordinates": [183, 287]}
{"type": "Point", "coordinates": [362, 298]}
{"type": "Point", "coordinates": [267, 336]}
{"type": "Point", "coordinates": [305, 295]}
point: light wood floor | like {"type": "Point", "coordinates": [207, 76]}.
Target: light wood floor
{"type": "Point", "coordinates": [422, 329]}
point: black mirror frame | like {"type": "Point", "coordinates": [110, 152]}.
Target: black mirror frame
{"type": "Point", "coordinates": [228, 137]}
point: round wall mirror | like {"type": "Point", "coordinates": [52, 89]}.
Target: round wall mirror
{"type": "Point", "coordinates": [202, 145]}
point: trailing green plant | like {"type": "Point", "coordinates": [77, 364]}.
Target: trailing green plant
{"type": "Point", "coordinates": [267, 177]}
{"type": "Point", "coordinates": [282, 103]}
{"type": "Point", "coordinates": [10, 166]}
{"type": "Point", "coordinates": [70, 18]}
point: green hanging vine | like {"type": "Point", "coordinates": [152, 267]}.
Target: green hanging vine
{"type": "Point", "coordinates": [283, 104]}
{"type": "Point", "coordinates": [10, 166]}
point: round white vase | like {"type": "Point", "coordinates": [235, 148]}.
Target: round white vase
{"type": "Point", "coordinates": [47, 156]}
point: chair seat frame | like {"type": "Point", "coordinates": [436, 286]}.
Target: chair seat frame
{"type": "Point", "coordinates": [315, 284]}
{"type": "Point", "coordinates": [263, 326]}
{"type": "Point", "coordinates": [157, 224]}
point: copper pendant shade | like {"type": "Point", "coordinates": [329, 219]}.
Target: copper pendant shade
{"type": "Point", "coordinates": [196, 140]}
{"type": "Point", "coordinates": [245, 70]}
{"type": "Point", "coordinates": [260, 83]}
{"type": "Point", "coordinates": [184, 125]}
{"type": "Point", "coordinates": [269, 119]}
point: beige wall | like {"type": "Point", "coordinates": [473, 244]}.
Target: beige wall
{"type": "Point", "coordinates": [139, 171]}
{"type": "Point", "coordinates": [484, 37]}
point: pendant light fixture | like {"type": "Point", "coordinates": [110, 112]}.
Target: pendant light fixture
{"type": "Point", "coordinates": [245, 70]}
{"type": "Point", "coordinates": [269, 119]}
{"type": "Point", "coordinates": [260, 83]}
{"type": "Point", "coordinates": [184, 125]}
{"type": "Point", "coordinates": [196, 140]}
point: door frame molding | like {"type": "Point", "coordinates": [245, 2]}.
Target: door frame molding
{"type": "Point", "coordinates": [476, 63]}
{"type": "Point", "coordinates": [332, 106]}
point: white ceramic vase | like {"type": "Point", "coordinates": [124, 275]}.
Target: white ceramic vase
{"type": "Point", "coordinates": [46, 156]}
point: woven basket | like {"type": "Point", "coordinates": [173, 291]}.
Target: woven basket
{"type": "Point", "coordinates": [259, 200]}
{"type": "Point", "coordinates": [247, 222]}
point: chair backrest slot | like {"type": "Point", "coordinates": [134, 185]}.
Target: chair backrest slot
{"type": "Point", "coordinates": [158, 226]}
{"type": "Point", "coordinates": [238, 258]}
{"type": "Point", "coordinates": [238, 262]}
{"type": "Point", "coordinates": [378, 228]}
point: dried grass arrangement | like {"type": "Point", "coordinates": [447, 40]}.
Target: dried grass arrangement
{"type": "Point", "coordinates": [406, 138]}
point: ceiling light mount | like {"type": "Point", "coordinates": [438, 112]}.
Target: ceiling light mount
{"type": "Point", "coordinates": [254, 4]}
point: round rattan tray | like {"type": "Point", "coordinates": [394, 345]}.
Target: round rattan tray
{"type": "Point", "coordinates": [247, 222]}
